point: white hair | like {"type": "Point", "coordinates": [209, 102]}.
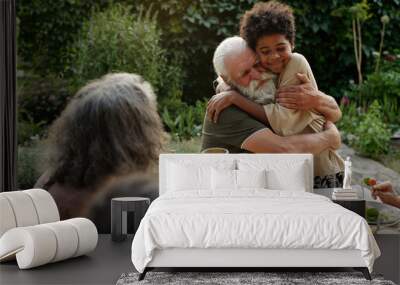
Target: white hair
{"type": "Point", "coordinates": [229, 46]}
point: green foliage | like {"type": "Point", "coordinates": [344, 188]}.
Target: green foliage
{"type": "Point", "coordinates": [373, 135]}
{"type": "Point", "coordinates": [192, 30]}
{"type": "Point", "coordinates": [365, 131]}
{"type": "Point", "coordinates": [383, 87]}
{"type": "Point", "coordinates": [355, 11]}
{"type": "Point", "coordinates": [118, 40]}
{"type": "Point", "coordinates": [392, 61]}
{"type": "Point", "coordinates": [29, 131]}
{"type": "Point", "coordinates": [46, 28]}
{"type": "Point", "coordinates": [29, 164]}
{"type": "Point", "coordinates": [351, 117]}
{"type": "Point", "coordinates": [359, 13]}
{"type": "Point", "coordinates": [192, 145]}
{"type": "Point", "coordinates": [385, 20]}
{"type": "Point", "coordinates": [185, 37]}
{"type": "Point", "coordinates": [183, 121]}
{"type": "Point", "coordinates": [40, 100]}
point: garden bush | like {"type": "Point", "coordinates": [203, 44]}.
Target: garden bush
{"type": "Point", "coordinates": [366, 131]}
{"type": "Point", "coordinates": [118, 40]}
{"type": "Point", "coordinates": [391, 61]}
{"type": "Point", "coordinates": [29, 131]}
{"type": "Point", "coordinates": [372, 134]}
{"type": "Point", "coordinates": [192, 30]}
{"type": "Point", "coordinates": [40, 101]}
{"type": "Point", "coordinates": [348, 124]}
{"type": "Point", "coordinates": [181, 38]}
{"type": "Point", "coordinates": [383, 87]}
{"type": "Point", "coordinates": [46, 28]}
{"type": "Point", "coordinates": [183, 121]}
{"type": "Point", "coordinates": [29, 164]}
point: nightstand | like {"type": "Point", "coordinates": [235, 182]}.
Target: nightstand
{"type": "Point", "coordinates": [357, 206]}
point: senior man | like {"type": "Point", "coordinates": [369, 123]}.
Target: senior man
{"type": "Point", "coordinates": [328, 165]}
{"type": "Point", "coordinates": [238, 131]}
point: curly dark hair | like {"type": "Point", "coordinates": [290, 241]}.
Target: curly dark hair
{"type": "Point", "coordinates": [267, 18]}
{"type": "Point", "coordinates": [110, 127]}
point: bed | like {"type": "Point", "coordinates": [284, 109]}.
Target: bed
{"type": "Point", "coordinates": [246, 211]}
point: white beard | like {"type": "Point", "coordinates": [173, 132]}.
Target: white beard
{"type": "Point", "coordinates": [265, 94]}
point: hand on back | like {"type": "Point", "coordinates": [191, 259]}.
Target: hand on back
{"type": "Point", "coordinates": [218, 103]}
{"type": "Point", "coordinates": [298, 97]}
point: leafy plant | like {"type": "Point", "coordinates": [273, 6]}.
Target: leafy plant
{"type": "Point", "coordinates": [385, 88]}
{"type": "Point", "coordinates": [385, 20]}
{"type": "Point", "coordinates": [29, 131]}
{"type": "Point", "coordinates": [352, 115]}
{"type": "Point", "coordinates": [359, 13]}
{"type": "Point", "coordinates": [192, 145]}
{"type": "Point", "coordinates": [41, 99]}
{"type": "Point", "coordinates": [391, 61]}
{"type": "Point", "coordinates": [183, 121]}
{"type": "Point", "coordinates": [47, 28]}
{"type": "Point", "coordinates": [29, 164]}
{"type": "Point", "coordinates": [192, 29]}
{"type": "Point", "coordinates": [116, 39]}
{"type": "Point", "coordinates": [373, 135]}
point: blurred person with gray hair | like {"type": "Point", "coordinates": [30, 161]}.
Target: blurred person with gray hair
{"type": "Point", "coordinates": [104, 145]}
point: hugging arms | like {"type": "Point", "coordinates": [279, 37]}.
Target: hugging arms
{"type": "Point", "coordinates": [284, 111]}
{"type": "Point", "coordinates": [299, 97]}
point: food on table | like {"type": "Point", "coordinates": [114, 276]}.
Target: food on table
{"type": "Point", "coordinates": [372, 215]}
{"type": "Point", "coordinates": [370, 181]}
{"type": "Point", "coordinates": [384, 214]}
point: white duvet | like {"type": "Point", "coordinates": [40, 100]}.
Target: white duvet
{"type": "Point", "coordinates": [250, 219]}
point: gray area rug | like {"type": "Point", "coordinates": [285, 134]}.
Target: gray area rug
{"type": "Point", "coordinates": [243, 278]}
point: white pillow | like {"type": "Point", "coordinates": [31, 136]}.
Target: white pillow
{"type": "Point", "coordinates": [185, 174]}
{"type": "Point", "coordinates": [251, 179]}
{"type": "Point", "coordinates": [236, 179]}
{"type": "Point", "coordinates": [294, 179]}
{"type": "Point", "coordinates": [183, 178]}
{"type": "Point", "coordinates": [223, 179]}
{"type": "Point", "coordinates": [282, 174]}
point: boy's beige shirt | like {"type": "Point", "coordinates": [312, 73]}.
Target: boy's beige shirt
{"type": "Point", "coordinates": [286, 122]}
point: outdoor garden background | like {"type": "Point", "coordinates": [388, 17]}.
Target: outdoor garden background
{"type": "Point", "coordinates": [62, 44]}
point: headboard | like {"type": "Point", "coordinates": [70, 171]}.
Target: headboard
{"type": "Point", "coordinates": [210, 159]}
